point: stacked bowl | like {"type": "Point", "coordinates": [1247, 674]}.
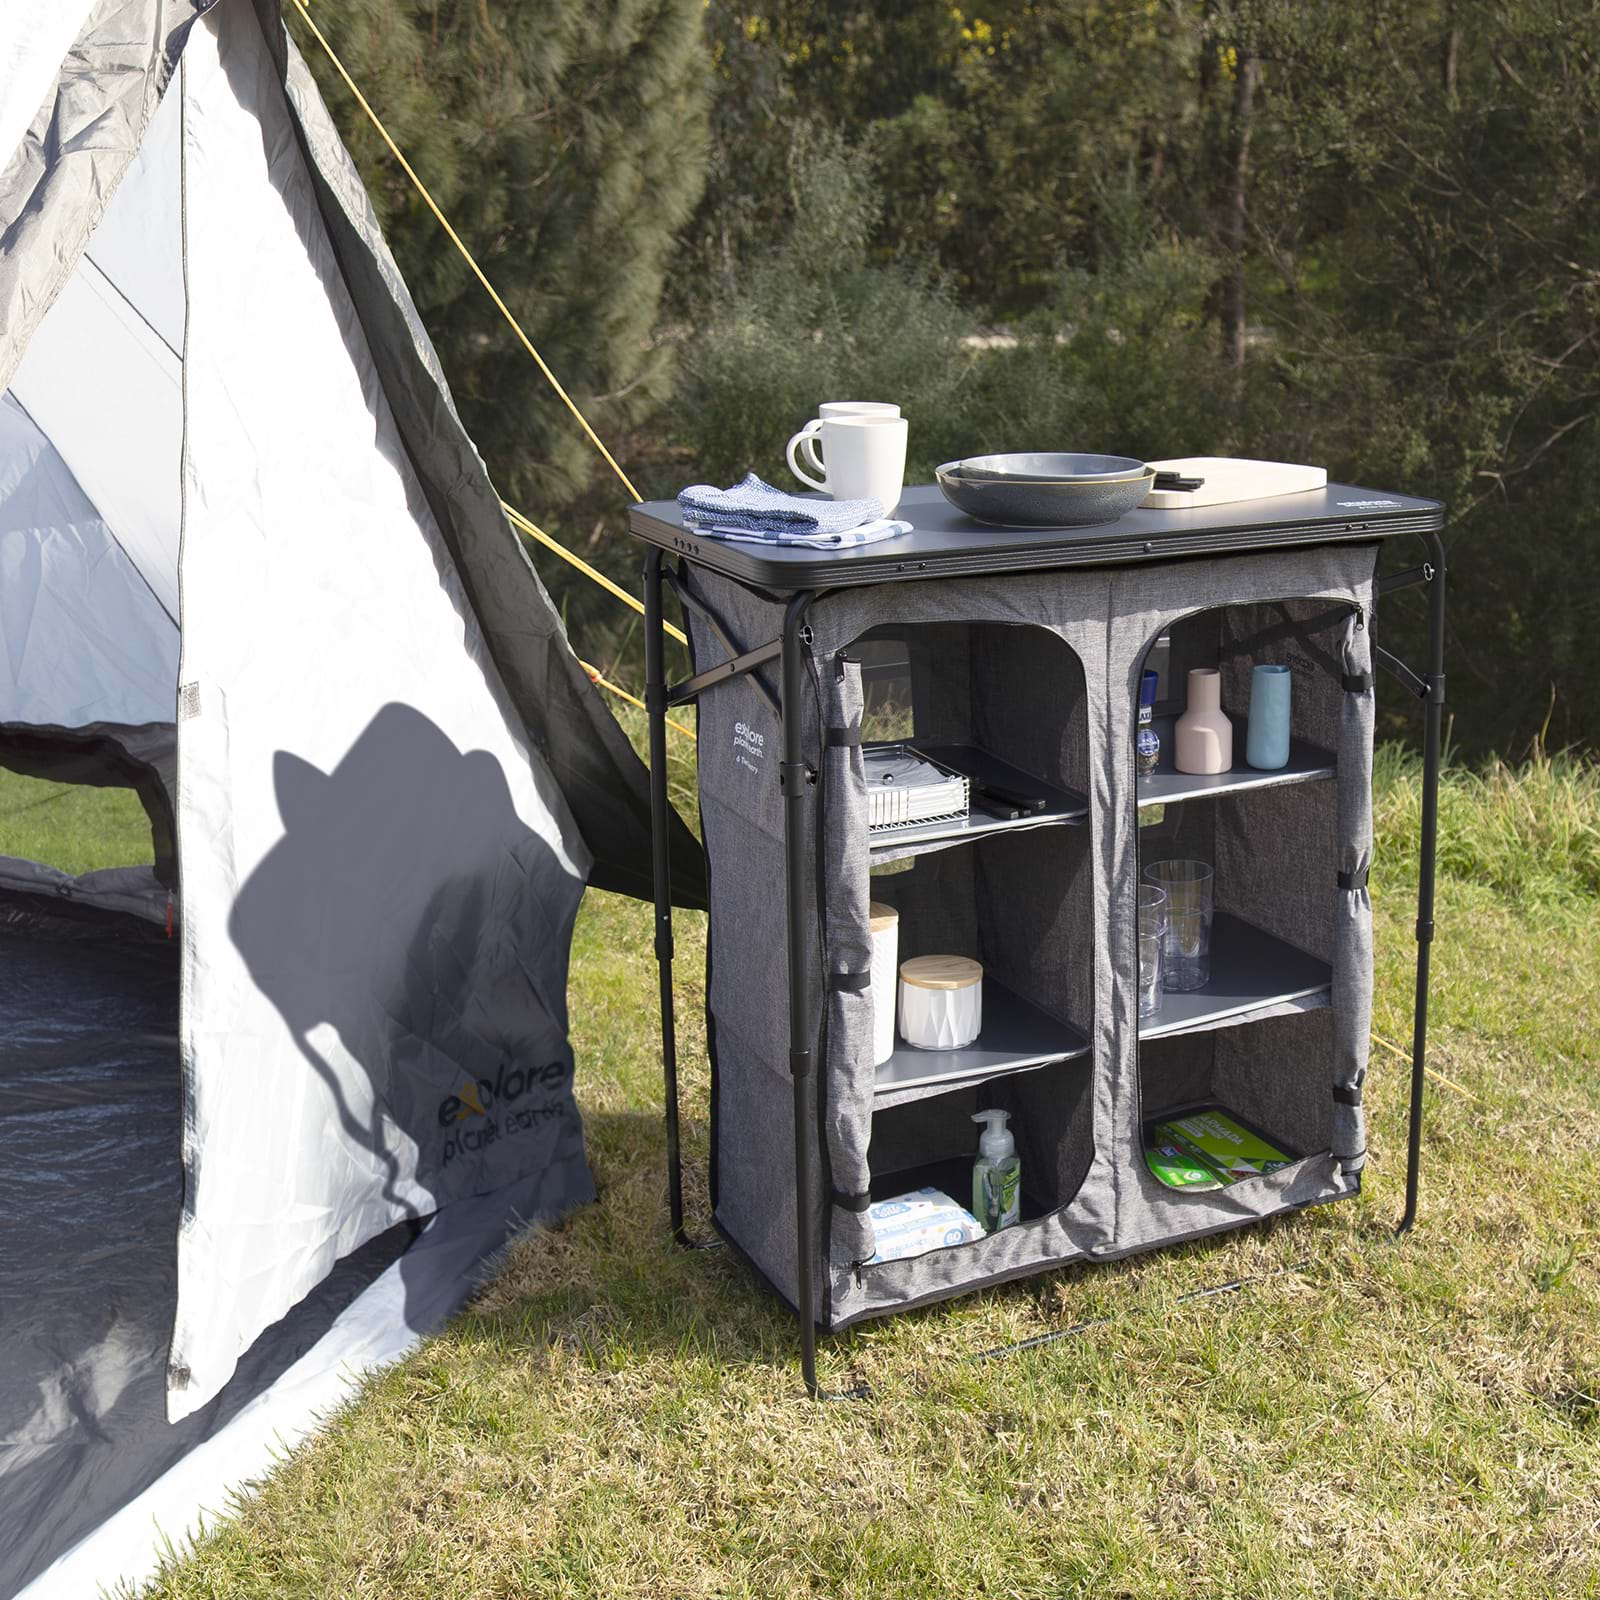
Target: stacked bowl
{"type": "Point", "coordinates": [1045, 490]}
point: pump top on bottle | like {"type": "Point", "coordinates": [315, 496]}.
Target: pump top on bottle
{"type": "Point", "coordinates": [995, 1143]}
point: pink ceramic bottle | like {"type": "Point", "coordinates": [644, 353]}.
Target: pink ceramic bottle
{"type": "Point", "coordinates": [1203, 735]}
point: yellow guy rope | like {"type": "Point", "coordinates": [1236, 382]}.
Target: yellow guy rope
{"type": "Point", "coordinates": [1438, 1077]}
{"type": "Point", "coordinates": [466, 254]}
{"type": "Point", "coordinates": [632, 699]}
{"type": "Point", "coordinates": [534, 531]}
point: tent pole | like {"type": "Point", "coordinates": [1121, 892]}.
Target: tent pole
{"type": "Point", "coordinates": [655, 695]}
{"type": "Point", "coordinates": [798, 780]}
{"type": "Point", "coordinates": [1432, 757]}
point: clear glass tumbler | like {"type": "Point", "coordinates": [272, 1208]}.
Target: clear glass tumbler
{"type": "Point", "coordinates": [1152, 937]}
{"type": "Point", "coordinates": [1186, 952]}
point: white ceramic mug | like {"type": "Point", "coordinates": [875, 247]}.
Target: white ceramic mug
{"type": "Point", "coordinates": [857, 408]}
{"type": "Point", "coordinates": [861, 456]}
{"type": "Point", "coordinates": [842, 408]}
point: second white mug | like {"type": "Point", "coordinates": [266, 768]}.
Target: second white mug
{"type": "Point", "coordinates": [857, 408]}
{"type": "Point", "coordinates": [860, 456]}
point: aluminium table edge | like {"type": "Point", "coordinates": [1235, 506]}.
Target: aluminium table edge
{"type": "Point", "coordinates": [945, 543]}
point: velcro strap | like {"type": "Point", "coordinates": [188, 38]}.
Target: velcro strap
{"type": "Point", "coordinates": [1354, 880]}
{"type": "Point", "coordinates": [844, 738]}
{"type": "Point", "coordinates": [851, 1202]}
{"type": "Point", "coordinates": [849, 982]}
{"type": "Point", "coordinates": [1347, 1095]}
{"type": "Point", "coordinates": [1357, 682]}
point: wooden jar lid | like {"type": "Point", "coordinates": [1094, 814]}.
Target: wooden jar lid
{"type": "Point", "coordinates": [881, 916]}
{"type": "Point", "coordinates": [941, 972]}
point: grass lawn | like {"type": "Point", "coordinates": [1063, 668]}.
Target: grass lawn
{"type": "Point", "coordinates": [72, 827]}
{"type": "Point", "coordinates": [616, 1418]}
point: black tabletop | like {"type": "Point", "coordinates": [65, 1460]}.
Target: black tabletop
{"type": "Point", "coordinates": [945, 542]}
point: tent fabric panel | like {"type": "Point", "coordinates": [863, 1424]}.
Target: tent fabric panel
{"type": "Point", "coordinates": [380, 878]}
{"type": "Point", "coordinates": [93, 1479]}
{"type": "Point", "coordinates": [82, 638]}
{"type": "Point", "coordinates": [33, 41]}
{"type": "Point", "coordinates": [139, 242]}
{"type": "Point", "coordinates": [598, 770]}
{"type": "Point", "coordinates": [108, 393]}
{"type": "Point", "coordinates": [134, 891]}
{"type": "Point", "coordinates": [64, 170]}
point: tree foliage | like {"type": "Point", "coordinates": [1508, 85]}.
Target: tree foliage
{"type": "Point", "coordinates": [566, 142]}
{"type": "Point", "coordinates": [1364, 233]}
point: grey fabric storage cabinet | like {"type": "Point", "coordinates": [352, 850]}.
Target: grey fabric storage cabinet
{"type": "Point", "coordinates": [1032, 676]}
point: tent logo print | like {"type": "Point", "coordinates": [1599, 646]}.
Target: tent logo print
{"type": "Point", "coordinates": [478, 1101]}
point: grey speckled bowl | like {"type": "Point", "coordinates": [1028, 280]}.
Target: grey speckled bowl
{"type": "Point", "coordinates": [1052, 467]}
{"type": "Point", "coordinates": [1010, 503]}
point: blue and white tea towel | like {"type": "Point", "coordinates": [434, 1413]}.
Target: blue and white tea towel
{"type": "Point", "coordinates": [867, 533]}
{"type": "Point", "coordinates": [756, 510]}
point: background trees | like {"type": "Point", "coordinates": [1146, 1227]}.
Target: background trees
{"type": "Point", "coordinates": [566, 142]}
{"type": "Point", "coordinates": [1363, 233]}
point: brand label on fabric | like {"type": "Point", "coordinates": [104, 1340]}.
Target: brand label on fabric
{"type": "Point", "coordinates": [749, 747]}
{"type": "Point", "coordinates": [188, 701]}
{"type": "Point", "coordinates": [484, 1110]}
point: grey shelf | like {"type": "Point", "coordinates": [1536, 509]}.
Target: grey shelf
{"type": "Point", "coordinates": [1249, 969]}
{"type": "Point", "coordinates": [1016, 1037]}
{"type": "Point", "coordinates": [1166, 786]}
{"type": "Point", "coordinates": [1062, 805]}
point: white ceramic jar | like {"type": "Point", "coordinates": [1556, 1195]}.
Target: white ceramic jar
{"type": "Point", "coordinates": [941, 1001]}
{"type": "Point", "coordinates": [885, 923]}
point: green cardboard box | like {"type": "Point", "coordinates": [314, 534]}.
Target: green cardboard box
{"type": "Point", "coordinates": [1216, 1140]}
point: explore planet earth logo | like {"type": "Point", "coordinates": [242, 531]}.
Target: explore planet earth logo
{"type": "Point", "coordinates": [484, 1110]}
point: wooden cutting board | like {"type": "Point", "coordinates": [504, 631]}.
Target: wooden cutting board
{"type": "Point", "coordinates": [1230, 478]}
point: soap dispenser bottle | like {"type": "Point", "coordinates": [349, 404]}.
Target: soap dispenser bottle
{"type": "Point", "coordinates": [997, 1174]}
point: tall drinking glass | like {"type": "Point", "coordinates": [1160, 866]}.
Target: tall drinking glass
{"type": "Point", "coordinates": [1186, 949]}
{"type": "Point", "coordinates": [1152, 936]}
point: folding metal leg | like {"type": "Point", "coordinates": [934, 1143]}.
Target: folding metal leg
{"type": "Point", "coordinates": [655, 699]}
{"type": "Point", "coordinates": [798, 789]}
{"type": "Point", "coordinates": [1432, 755]}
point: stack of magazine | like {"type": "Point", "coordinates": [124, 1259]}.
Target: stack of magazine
{"type": "Point", "coordinates": [1209, 1148]}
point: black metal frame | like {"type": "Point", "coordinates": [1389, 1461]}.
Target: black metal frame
{"type": "Point", "coordinates": [799, 783]}
{"type": "Point", "coordinates": [1429, 688]}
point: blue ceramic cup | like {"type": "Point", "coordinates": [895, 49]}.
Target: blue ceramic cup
{"type": "Point", "coordinates": [1267, 745]}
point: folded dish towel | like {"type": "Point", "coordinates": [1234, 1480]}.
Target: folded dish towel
{"type": "Point", "coordinates": [754, 507]}
{"type": "Point", "coordinates": [867, 533]}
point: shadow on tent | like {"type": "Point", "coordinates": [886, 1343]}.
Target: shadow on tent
{"type": "Point", "coordinates": [90, 1110]}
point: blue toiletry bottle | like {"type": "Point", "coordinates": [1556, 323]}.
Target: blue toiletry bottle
{"type": "Point", "coordinates": [1147, 742]}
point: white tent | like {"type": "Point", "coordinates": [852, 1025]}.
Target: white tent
{"type": "Point", "coordinates": [251, 566]}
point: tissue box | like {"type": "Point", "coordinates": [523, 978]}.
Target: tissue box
{"type": "Point", "coordinates": [915, 1223]}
